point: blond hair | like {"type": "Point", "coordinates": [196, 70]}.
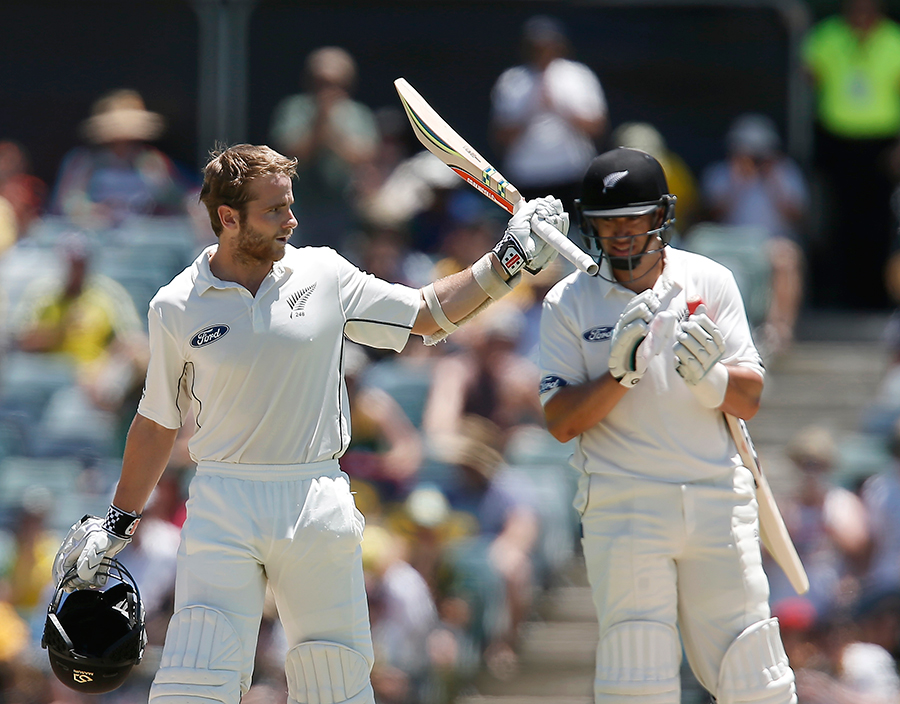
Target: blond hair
{"type": "Point", "coordinates": [228, 173]}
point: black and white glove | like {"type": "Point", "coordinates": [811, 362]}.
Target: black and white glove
{"type": "Point", "coordinates": [631, 329]}
{"type": "Point", "coordinates": [699, 346]}
{"type": "Point", "coordinates": [89, 545]}
{"type": "Point", "coordinates": [522, 248]}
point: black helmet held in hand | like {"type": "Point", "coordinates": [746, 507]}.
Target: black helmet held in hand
{"type": "Point", "coordinates": [95, 638]}
{"type": "Point", "coordinates": [624, 182]}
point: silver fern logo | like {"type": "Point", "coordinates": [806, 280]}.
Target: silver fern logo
{"type": "Point", "coordinates": [297, 301]}
{"type": "Point", "coordinates": [610, 180]}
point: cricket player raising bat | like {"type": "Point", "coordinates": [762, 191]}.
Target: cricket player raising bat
{"type": "Point", "coordinates": [250, 338]}
{"type": "Point", "coordinates": [668, 509]}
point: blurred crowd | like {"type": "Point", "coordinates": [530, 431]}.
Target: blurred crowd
{"type": "Point", "coordinates": [466, 496]}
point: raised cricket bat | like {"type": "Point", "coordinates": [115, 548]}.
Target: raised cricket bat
{"type": "Point", "coordinates": [443, 141]}
{"type": "Point", "coordinates": [772, 530]}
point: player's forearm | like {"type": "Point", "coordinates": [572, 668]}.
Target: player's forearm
{"type": "Point", "coordinates": [147, 451]}
{"type": "Point", "coordinates": [743, 393]}
{"type": "Point", "coordinates": [575, 409]}
{"type": "Point", "coordinates": [459, 295]}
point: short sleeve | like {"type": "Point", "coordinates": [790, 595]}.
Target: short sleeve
{"type": "Point", "coordinates": [561, 360]}
{"type": "Point", "coordinates": [378, 313]}
{"type": "Point", "coordinates": [165, 375]}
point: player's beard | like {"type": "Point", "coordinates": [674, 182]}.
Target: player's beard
{"type": "Point", "coordinates": [255, 247]}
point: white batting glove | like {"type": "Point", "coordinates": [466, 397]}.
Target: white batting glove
{"type": "Point", "coordinates": [631, 329]}
{"type": "Point", "coordinates": [520, 248]}
{"type": "Point", "coordinates": [698, 348]}
{"type": "Point", "coordinates": [549, 210]}
{"type": "Point", "coordinates": [89, 545]}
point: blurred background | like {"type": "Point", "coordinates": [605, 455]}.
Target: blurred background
{"type": "Point", "coordinates": [777, 122]}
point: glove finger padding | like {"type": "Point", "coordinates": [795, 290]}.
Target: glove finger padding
{"type": "Point", "coordinates": [99, 546]}
{"type": "Point", "coordinates": [623, 352]}
{"type": "Point", "coordinates": [629, 333]}
{"type": "Point", "coordinates": [646, 301]}
{"type": "Point", "coordinates": [544, 252]}
{"type": "Point", "coordinates": [698, 348]}
{"type": "Point", "coordinates": [86, 548]}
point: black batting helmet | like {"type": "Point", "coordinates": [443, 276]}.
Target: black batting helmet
{"type": "Point", "coordinates": [624, 182]}
{"type": "Point", "coordinates": [95, 638]}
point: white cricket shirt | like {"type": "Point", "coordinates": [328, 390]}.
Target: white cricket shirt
{"type": "Point", "coordinates": [658, 430]}
{"type": "Point", "coordinates": [263, 375]}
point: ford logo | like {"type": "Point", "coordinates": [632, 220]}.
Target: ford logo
{"type": "Point", "coordinates": [208, 335]}
{"type": "Point", "coordinates": [604, 332]}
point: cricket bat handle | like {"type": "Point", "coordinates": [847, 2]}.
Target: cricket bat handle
{"type": "Point", "coordinates": [565, 246]}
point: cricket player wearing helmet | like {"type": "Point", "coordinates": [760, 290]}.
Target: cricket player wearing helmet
{"type": "Point", "coordinates": [250, 338]}
{"type": "Point", "coordinates": [640, 372]}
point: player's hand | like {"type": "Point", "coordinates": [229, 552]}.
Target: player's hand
{"type": "Point", "coordinates": [698, 348]}
{"type": "Point", "coordinates": [631, 329]}
{"type": "Point", "coordinates": [548, 210]}
{"type": "Point", "coordinates": [521, 247]}
{"type": "Point", "coordinates": [87, 547]}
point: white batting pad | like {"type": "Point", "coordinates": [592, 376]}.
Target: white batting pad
{"type": "Point", "coordinates": [755, 668]}
{"type": "Point", "coordinates": [638, 661]}
{"type": "Point", "coordinates": [320, 672]}
{"type": "Point", "coordinates": [201, 661]}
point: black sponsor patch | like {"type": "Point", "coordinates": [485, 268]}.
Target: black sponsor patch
{"type": "Point", "coordinates": [548, 383]}
{"type": "Point", "coordinates": [598, 334]}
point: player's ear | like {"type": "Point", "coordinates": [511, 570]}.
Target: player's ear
{"type": "Point", "coordinates": [229, 217]}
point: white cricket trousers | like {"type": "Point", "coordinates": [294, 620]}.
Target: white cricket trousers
{"type": "Point", "coordinates": [294, 527]}
{"type": "Point", "coordinates": [662, 557]}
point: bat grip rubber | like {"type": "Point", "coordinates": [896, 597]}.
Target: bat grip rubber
{"type": "Point", "coordinates": [565, 246]}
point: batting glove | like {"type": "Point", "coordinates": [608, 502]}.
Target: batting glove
{"type": "Point", "coordinates": [520, 248]}
{"type": "Point", "coordinates": [89, 545]}
{"type": "Point", "coordinates": [550, 211]}
{"type": "Point", "coordinates": [630, 331]}
{"type": "Point", "coordinates": [698, 348]}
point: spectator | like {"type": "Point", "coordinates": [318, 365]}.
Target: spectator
{"type": "Point", "coordinates": [853, 59]}
{"type": "Point", "coordinates": [682, 184]}
{"type": "Point", "coordinates": [333, 137]}
{"type": "Point", "coordinates": [403, 617]}
{"type": "Point", "coordinates": [120, 174]}
{"type": "Point", "coordinates": [24, 191]}
{"type": "Point", "coordinates": [417, 194]}
{"type": "Point", "coordinates": [28, 571]}
{"type": "Point", "coordinates": [385, 449]}
{"type": "Point", "coordinates": [881, 497]}
{"type": "Point", "coordinates": [878, 618]}
{"type": "Point", "coordinates": [499, 561]}
{"type": "Point", "coordinates": [827, 523]}
{"type": "Point", "coordinates": [484, 377]}
{"type": "Point", "coordinates": [759, 186]}
{"type": "Point", "coordinates": [548, 114]}
{"type": "Point", "coordinates": [832, 665]}
{"type": "Point", "coordinates": [80, 316]}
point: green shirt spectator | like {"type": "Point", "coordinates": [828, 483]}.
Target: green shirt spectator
{"type": "Point", "coordinates": [857, 76]}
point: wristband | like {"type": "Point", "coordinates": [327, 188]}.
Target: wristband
{"type": "Point", "coordinates": [511, 254]}
{"type": "Point", "coordinates": [437, 312]}
{"type": "Point", "coordinates": [121, 524]}
{"type": "Point", "coordinates": [490, 281]}
{"type": "Point", "coordinates": [710, 390]}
